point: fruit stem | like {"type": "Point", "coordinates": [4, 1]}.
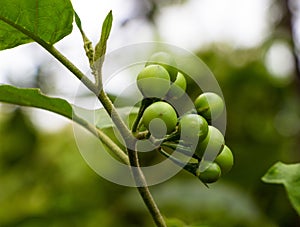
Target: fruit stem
{"type": "Point", "coordinates": [172, 137]}
{"type": "Point", "coordinates": [182, 149]}
{"type": "Point", "coordinates": [145, 103]}
{"type": "Point", "coordinates": [190, 167]}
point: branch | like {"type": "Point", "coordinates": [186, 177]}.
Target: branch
{"type": "Point", "coordinates": [292, 33]}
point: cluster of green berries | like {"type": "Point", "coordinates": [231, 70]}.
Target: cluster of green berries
{"type": "Point", "coordinates": [190, 134]}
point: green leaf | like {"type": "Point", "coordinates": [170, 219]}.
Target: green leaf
{"type": "Point", "coordinates": [289, 176]}
{"type": "Point", "coordinates": [78, 21]}
{"type": "Point", "coordinates": [34, 98]}
{"type": "Point", "coordinates": [24, 21]}
{"type": "Point", "coordinates": [100, 48]}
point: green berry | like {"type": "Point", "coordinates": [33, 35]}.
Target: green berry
{"type": "Point", "coordinates": [160, 119]}
{"type": "Point", "coordinates": [209, 105]}
{"type": "Point", "coordinates": [212, 144]}
{"type": "Point", "coordinates": [178, 87]}
{"type": "Point", "coordinates": [211, 174]}
{"type": "Point", "coordinates": [153, 81]}
{"type": "Point", "coordinates": [225, 160]}
{"type": "Point", "coordinates": [165, 60]}
{"type": "Point", "coordinates": [193, 128]}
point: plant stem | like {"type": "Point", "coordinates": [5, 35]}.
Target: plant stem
{"type": "Point", "coordinates": [190, 167]}
{"type": "Point", "coordinates": [137, 173]}
{"type": "Point", "coordinates": [144, 190]}
{"type": "Point", "coordinates": [179, 148]}
{"type": "Point", "coordinates": [102, 96]}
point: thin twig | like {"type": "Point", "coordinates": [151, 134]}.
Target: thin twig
{"type": "Point", "coordinates": [292, 33]}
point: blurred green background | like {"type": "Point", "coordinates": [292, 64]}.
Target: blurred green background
{"type": "Point", "coordinates": [44, 181]}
